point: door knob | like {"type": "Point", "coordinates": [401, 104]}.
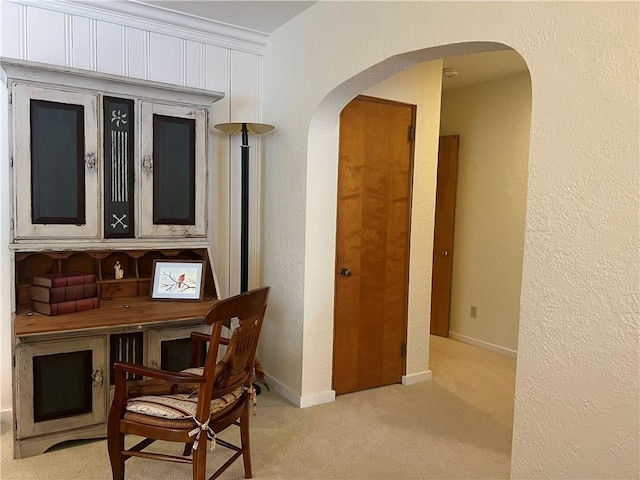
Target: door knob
{"type": "Point", "coordinates": [445, 253]}
{"type": "Point", "coordinates": [345, 272]}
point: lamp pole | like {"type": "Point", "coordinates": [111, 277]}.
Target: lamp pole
{"type": "Point", "coordinates": [244, 211]}
{"type": "Point", "coordinates": [244, 128]}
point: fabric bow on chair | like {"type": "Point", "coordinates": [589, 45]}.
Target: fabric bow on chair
{"type": "Point", "coordinates": [192, 406]}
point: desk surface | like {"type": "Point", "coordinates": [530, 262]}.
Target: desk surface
{"type": "Point", "coordinates": [116, 312]}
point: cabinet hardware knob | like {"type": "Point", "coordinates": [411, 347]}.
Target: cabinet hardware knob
{"type": "Point", "coordinates": [345, 272]}
{"type": "Point", "coordinates": [147, 164]}
{"type": "Point", "coordinates": [90, 161]}
{"type": "Point", "coordinates": [97, 378]}
{"type": "Point", "coordinates": [445, 253]}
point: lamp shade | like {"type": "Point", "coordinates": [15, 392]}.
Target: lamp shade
{"type": "Point", "coordinates": [252, 127]}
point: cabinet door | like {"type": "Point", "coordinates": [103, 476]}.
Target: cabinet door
{"type": "Point", "coordinates": [170, 349]}
{"type": "Point", "coordinates": [56, 166]}
{"type": "Point", "coordinates": [173, 171]}
{"type": "Point", "coordinates": [60, 385]}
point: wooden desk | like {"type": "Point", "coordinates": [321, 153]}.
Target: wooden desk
{"type": "Point", "coordinates": [116, 312]}
{"type": "Point", "coordinates": [69, 357]}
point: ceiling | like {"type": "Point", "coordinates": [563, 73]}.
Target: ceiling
{"type": "Point", "coordinates": [265, 16]}
{"type": "Point", "coordinates": [482, 67]}
{"type": "Point", "coordinates": [261, 16]}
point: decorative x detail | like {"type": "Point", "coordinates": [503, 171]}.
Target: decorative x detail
{"type": "Point", "coordinates": [119, 221]}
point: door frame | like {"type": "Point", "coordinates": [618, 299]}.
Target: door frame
{"type": "Point", "coordinates": [438, 227]}
{"type": "Point", "coordinates": [407, 259]}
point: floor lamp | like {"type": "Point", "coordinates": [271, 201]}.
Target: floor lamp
{"type": "Point", "coordinates": [244, 128]}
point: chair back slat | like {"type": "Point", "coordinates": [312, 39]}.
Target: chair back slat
{"type": "Point", "coordinates": [236, 367]}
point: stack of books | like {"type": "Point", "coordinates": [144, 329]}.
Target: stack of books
{"type": "Point", "coordinates": [67, 292]}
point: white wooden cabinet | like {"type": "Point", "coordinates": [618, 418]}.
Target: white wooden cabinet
{"type": "Point", "coordinates": [61, 386]}
{"type": "Point", "coordinates": [62, 212]}
{"type": "Point", "coordinates": [56, 180]}
{"type": "Point", "coordinates": [173, 179]}
{"type": "Point", "coordinates": [63, 381]}
{"type": "Point", "coordinates": [67, 160]}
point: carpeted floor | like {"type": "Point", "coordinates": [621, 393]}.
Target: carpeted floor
{"type": "Point", "coordinates": [457, 426]}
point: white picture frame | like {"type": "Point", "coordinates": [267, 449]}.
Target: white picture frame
{"type": "Point", "coordinates": [178, 280]}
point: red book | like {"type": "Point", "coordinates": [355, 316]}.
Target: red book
{"type": "Point", "coordinates": [63, 294]}
{"type": "Point", "coordinates": [63, 279]}
{"type": "Point", "coordinates": [61, 308]}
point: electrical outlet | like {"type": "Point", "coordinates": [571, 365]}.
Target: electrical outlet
{"type": "Point", "coordinates": [474, 311]}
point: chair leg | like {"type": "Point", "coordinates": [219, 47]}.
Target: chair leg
{"type": "Point", "coordinates": [188, 447]}
{"type": "Point", "coordinates": [200, 459]}
{"type": "Point", "coordinates": [115, 445]}
{"type": "Point", "coordinates": [245, 440]}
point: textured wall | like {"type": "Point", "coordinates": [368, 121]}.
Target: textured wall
{"type": "Point", "coordinates": [493, 120]}
{"type": "Point", "coordinates": [576, 412]}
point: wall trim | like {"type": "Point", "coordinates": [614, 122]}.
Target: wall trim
{"type": "Point", "coordinates": [318, 399]}
{"type": "Point", "coordinates": [419, 377]}
{"type": "Point", "coordinates": [304, 401]}
{"type": "Point", "coordinates": [159, 20]}
{"type": "Point", "coordinates": [55, 75]}
{"type": "Point", "coordinates": [483, 344]}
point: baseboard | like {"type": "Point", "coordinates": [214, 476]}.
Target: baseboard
{"type": "Point", "coordinates": [414, 378]}
{"type": "Point", "coordinates": [483, 344]}
{"type": "Point", "coordinates": [317, 399]}
{"type": "Point", "coordinates": [301, 401]}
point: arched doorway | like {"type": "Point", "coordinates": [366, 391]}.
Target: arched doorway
{"type": "Point", "coordinates": [322, 157]}
{"type": "Point", "coordinates": [490, 106]}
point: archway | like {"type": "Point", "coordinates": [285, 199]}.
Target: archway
{"type": "Point", "coordinates": [322, 157]}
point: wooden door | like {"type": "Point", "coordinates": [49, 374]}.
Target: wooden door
{"type": "Point", "coordinates": [443, 235]}
{"type": "Point", "coordinates": [372, 245]}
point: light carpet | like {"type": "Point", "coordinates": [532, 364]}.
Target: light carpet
{"type": "Point", "coordinates": [457, 426]}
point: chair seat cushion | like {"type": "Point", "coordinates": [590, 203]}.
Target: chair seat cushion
{"type": "Point", "coordinates": [179, 405]}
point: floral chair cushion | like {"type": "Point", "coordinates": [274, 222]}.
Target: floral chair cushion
{"type": "Point", "coordinates": [178, 405]}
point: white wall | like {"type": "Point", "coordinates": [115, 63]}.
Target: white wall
{"type": "Point", "coordinates": [421, 86]}
{"type": "Point", "coordinates": [493, 120]}
{"type": "Point", "coordinates": [162, 49]}
{"type": "Point", "coordinates": [576, 412]}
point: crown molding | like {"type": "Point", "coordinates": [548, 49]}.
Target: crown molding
{"type": "Point", "coordinates": [46, 74]}
{"type": "Point", "coordinates": [145, 17]}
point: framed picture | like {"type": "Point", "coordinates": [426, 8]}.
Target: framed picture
{"type": "Point", "coordinates": [178, 280]}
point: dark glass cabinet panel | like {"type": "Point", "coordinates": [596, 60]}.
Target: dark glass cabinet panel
{"type": "Point", "coordinates": [173, 170]}
{"type": "Point", "coordinates": [175, 355]}
{"type": "Point", "coordinates": [57, 163]}
{"type": "Point", "coordinates": [62, 385]}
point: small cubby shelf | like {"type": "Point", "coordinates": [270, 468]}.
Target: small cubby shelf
{"type": "Point", "coordinates": [137, 265]}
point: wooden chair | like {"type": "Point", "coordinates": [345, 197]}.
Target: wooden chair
{"type": "Point", "coordinates": [192, 406]}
